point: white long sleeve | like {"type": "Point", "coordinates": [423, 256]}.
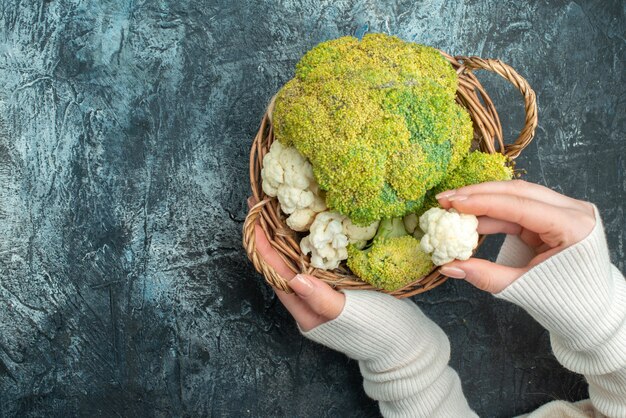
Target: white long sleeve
{"type": "Point", "coordinates": [580, 298]}
{"type": "Point", "coordinates": [403, 356]}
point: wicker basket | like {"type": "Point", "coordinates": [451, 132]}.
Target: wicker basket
{"type": "Point", "coordinates": [487, 136]}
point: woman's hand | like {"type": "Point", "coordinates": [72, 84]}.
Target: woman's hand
{"type": "Point", "coordinates": [545, 220]}
{"type": "Point", "coordinates": [313, 301]}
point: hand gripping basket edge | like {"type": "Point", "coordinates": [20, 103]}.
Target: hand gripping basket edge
{"type": "Point", "coordinates": [487, 132]}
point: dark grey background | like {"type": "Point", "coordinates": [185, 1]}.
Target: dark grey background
{"type": "Point", "coordinates": [124, 141]}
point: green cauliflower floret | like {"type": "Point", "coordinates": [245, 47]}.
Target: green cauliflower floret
{"type": "Point", "coordinates": [477, 167]}
{"type": "Point", "coordinates": [393, 260]}
{"type": "Point", "coordinates": [377, 119]}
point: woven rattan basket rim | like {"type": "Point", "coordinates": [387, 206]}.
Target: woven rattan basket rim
{"type": "Point", "coordinates": [487, 132]}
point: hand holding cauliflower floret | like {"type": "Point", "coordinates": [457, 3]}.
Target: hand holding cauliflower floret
{"type": "Point", "coordinates": [448, 235]}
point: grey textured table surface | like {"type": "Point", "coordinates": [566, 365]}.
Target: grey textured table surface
{"type": "Point", "coordinates": [124, 141]}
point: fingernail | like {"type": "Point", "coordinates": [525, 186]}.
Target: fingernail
{"type": "Point", "coordinates": [457, 198]}
{"type": "Point", "coordinates": [445, 194]}
{"type": "Point", "coordinates": [454, 272]}
{"type": "Point", "coordinates": [301, 285]}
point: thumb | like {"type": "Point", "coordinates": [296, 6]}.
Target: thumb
{"type": "Point", "coordinates": [318, 296]}
{"type": "Point", "coordinates": [483, 274]}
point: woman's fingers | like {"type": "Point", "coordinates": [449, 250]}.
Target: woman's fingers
{"type": "Point", "coordinates": [270, 255]}
{"type": "Point", "coordinates": [265, 249]}
{"type": "Point", "coordinates": [483, 274]}
{"type": "Point", "coordinates": [555, 226]}
{"type": "Point", "coordinates": [488, 226]}
{"type": "Point", "coordinates": [313, 301]}
{"type": "Point", "coordinates": [546, 220]}
{"type": "Point", "coordinates": [319, 296]}
{"type": "Point", "coordinates": [517, 188]}
{"type": "Point", "coordinates": [300, 311]}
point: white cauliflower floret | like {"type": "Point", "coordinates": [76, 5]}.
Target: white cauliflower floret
{"type": "Point", "coordinates": [292, 198]}
{"type": "Point", "coordinates": [301, 219]}
{"type": "Point", "coordinates": [327, 243]}
{"type": "Point", "coordinates": [288, 175]}
{"type": "Point", "coordinates": [448, 235]}
{"type": "Point", "coordinates": [359, 235]}
{"type": "Point", "coordinates": [330, 235]}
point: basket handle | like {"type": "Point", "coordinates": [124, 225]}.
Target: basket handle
{"type": "Point", "coordinates": [530, 100]}
{"type": "Point", "coordinates": [249, 243]}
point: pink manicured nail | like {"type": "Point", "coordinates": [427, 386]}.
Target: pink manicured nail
{"type": "Point", "coordinates": [445, 194]}
{"type": "Point", "coordinates": [454, 272]}
{"type": "Point", "coordinates": [457, 198]}
{"type": "Point", "coordinates": [301, 285]}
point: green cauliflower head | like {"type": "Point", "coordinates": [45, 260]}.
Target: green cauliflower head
{"type": "Point", "coordinates": [378, 120]}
